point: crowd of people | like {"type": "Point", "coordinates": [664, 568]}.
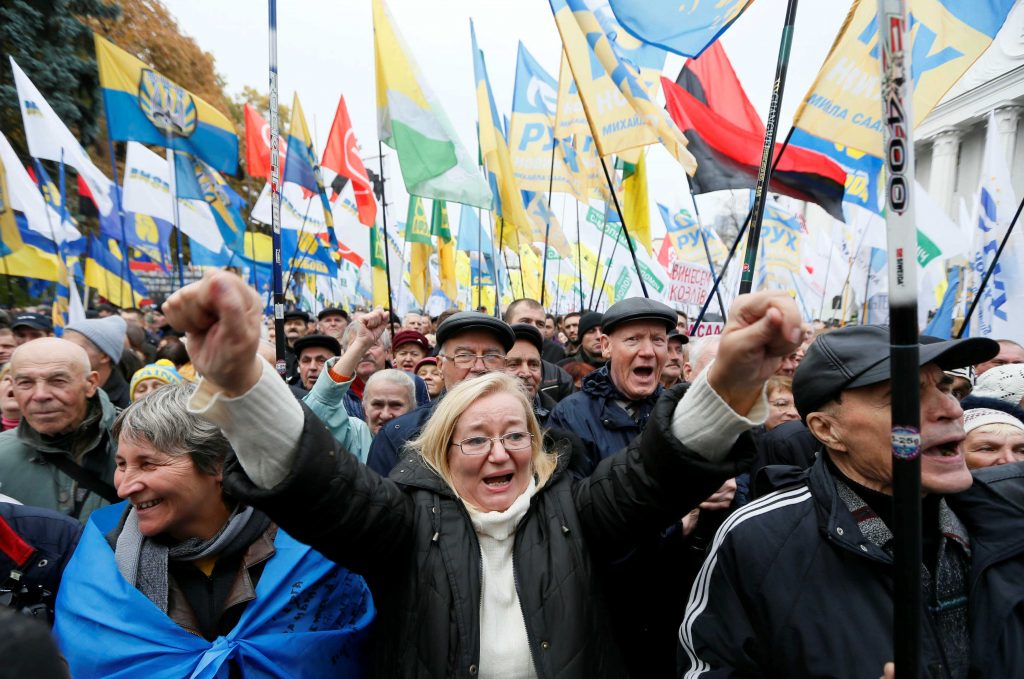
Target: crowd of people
{"type": "Point", "coordinates": [468, 495]}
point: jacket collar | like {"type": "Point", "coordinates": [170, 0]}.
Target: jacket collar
{"type": "Point", "coordinates": [99, 417]}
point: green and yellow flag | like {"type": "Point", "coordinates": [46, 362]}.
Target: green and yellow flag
{"type": "Point", "coordinates": [445, 249]}
{"type": "Point", "coordinates": [417, 235]}
{"type": "Point", "coordinates": [411, 121]}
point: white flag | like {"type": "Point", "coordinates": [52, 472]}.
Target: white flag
{"type": "Point", "coordinates": [48, 138]}
{"type": "Point", "coordinates": [999, 312]}
{"type": "Point", "coordinates": [26, 198]}
{"type": "Point", "coordinates": [147, 191]}
{"type": "Point", "coordinates": [146, 188]}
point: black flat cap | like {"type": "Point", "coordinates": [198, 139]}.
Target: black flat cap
{"type": "Point", "coordinates": [465, 321]}
{"type": "Point", "coordinates": [674, 334]}
{"type": "Point", "coordinates": [530, 333]}
{"type": "Point", "coordinates": [858, 356]}
{"type": "Point", "coordinates": [296, 314]}
{"type": "Point", "coordinates": [638, 309]}
{"type": "Point", "coordinates": [34, 321]}
{"type": "Point", "coordinates": [326, 341]}
{"type": "Point", "coordinates": [588, 321]}
{"type": "Point", "coordinates": [332, 311]}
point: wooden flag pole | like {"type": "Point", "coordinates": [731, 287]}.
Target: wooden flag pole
{"type": "Point", "coordinates": [764, 174]}
{"type": "Point", "coordinates": [901, 236]}
{"type": "Point", "coordinates": [280, 341]}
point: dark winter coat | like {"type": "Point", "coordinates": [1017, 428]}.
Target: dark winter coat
{"type": "Point", "coordinates": [792, 588]}
{"type": "Point", "coordinates": [594, 416]}
{"type": "Point", "coordinates": [413, 540]}
{"type": "Point", "coordinates": [39, 545]}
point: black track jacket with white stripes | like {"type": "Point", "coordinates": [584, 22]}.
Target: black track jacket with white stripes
{"type": "Point", "coordinates": [791, 588]}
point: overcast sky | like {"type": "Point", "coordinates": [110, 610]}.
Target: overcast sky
{"type": "Point", "coordinates": [325, 49]}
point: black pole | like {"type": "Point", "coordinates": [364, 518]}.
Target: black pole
{"type": "Point", "coordinates": [607, 270]}
{"type": "Point", "coordinates": [597, 263]}
{"type": "Point", "coordinates": [904, 349]}
{"type": "Point", "coordinates": [739, 236]}
{"type": "Point", "coordinates": [384, 219]}
{"type": "Point", "coordinates": [547, 226]}
{"type": "Point", "coordinates": [764, 175]}
{"type": "Point", "coordinates": [579, 255]}
{"type": "Point", "coordinates": [988, 272]}
{"type": "Point", "coordinates": [625, 231]}
{"type": "Point", "coordinates": [704, 242]}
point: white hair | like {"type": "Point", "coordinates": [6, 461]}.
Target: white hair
{"type": "Point", "coordinates": [393, 376]}
{"type": "Point", "coordinates": [698, 349]}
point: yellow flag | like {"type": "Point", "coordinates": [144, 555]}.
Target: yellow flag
{"type": "Point", "coordinates": [945, 37]}
{"type": "Point", "coordinates": [636, 206]}
{"type": "Point", "coordinates": [10, 237]}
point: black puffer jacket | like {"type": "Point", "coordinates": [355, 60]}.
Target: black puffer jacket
{"type": "Point", "coordinates": [413, 541]}
{"type": "Point", "coordinates": [792, 588]}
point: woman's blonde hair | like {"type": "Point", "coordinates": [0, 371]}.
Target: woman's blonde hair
{"type": "Point", "coordinates": [435, 440]}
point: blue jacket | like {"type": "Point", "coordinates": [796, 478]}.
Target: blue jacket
{"type": "Point", "coordinates": [593, 415]}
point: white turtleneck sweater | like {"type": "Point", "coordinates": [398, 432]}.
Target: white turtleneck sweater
{"type": "Point", "coordinates": [504, 646]}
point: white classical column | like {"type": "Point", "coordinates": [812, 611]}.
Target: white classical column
{"type": "Point", "coordinates": [1006, 118]}
{"type": "Point", "coordinates": [945, 145]}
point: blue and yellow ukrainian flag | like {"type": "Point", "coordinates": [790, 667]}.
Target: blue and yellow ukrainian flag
{"type": "Point", "coordinates": [55, 198]}
{"type": "Point", "coordinates": [10, 239]}
{"type": "Point", "coordinates": [946, 37]}
{"type": "Point", "coordinates": [301, 166]}
{"type": "Point", "coordinates": [508, 201]}
{"type": "Point", "coordinates": [143, 105]}
{"type": "Point", "coordinates": [104, 264]}
{"type": "Point", "coordinates": [196, 180]}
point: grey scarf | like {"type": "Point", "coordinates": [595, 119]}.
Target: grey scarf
{"type": "Point", "coordinates": [143, 561]}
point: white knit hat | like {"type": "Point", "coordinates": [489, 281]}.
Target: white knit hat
{"type": "Point", "coordinates": [1005, 382]}
{"type": "Point", "coordinates": [980, 417]}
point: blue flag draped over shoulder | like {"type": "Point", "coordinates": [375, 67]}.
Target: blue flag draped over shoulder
{"type": "Point", "coordinates": [310, 618]}
{"type": "Point", "coordinates": [685, 27]}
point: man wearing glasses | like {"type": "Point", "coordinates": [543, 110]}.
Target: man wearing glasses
{"type": "Point", "coordinates": [471, 344]}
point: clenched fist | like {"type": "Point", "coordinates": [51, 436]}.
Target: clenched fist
{"type": "Point", "coordinates": [220, 314]}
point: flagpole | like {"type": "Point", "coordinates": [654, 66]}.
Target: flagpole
{"type": "Point", "coordinates": [299, 249]}
{"type": "Point", "coordinates": [280, 340]}
{"type": "Point", "coordinates": [494, 263]}
{"type": "Point", "coordinates": [764, 175]}
{"type": "Point", "coordinates": [704, 241]}
{"type": "Point", "coordinates": [117, 193]}
{"type": "Point", "coordinates": [904, 351]}
{"type": "Point", "coordinates": [988, 272]}
{"type": "Point", "coordinates": [579, 254]}
{"type": "Point", "coordinates": [600, 247]}
{"type": "Point", "coordinates": [479, 255]}
{"type": "Point", "coordinates": [739, 236]}
{"type": "Point", "coordinates": [828, 268]}
{"type": "Point", "coordinates": [607, 270]}
{"type": "Point", "coordinates": [625, 231]}
{"type": "Point", "coordinates": [547, 226]}
{"type": "Point", "coordinates": [172, 174]}
{"type": "Point", "coordinates": [384, 217]}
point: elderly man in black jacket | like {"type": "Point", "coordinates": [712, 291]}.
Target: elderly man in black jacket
{"type": "Point", "coordinates": [799, 583]}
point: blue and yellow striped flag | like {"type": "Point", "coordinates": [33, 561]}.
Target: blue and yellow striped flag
{"type": "Point", "coordinates": [103, 267]}
{"type": "Point", "coordinates": [143, 105]}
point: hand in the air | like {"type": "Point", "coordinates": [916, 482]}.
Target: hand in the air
{"type": "Point", "coordinates": [221, 316]}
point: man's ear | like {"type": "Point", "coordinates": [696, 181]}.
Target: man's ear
{"type": "Point", "coordinates": [92, 379]}
{"type": "Point", "coordinates": [825, 428]}
{"type": "Point", "coordinates": [606, 347]}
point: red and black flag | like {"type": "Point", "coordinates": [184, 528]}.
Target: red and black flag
{"type": "Point", "coordinates": [726, 136]}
